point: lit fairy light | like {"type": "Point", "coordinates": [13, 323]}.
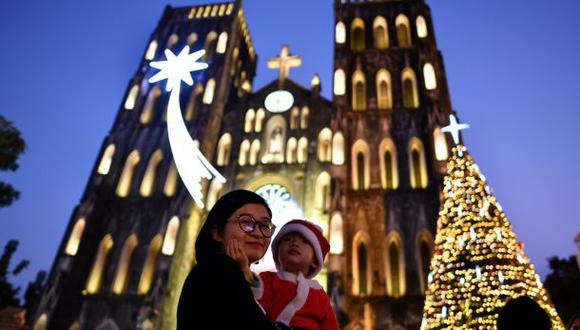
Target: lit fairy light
{"type": "Point", "coordinates": [478, 272]}
{"type": "Point", "coordinates": [191, 165]}
{"type": "Point", "coordinates": [500, 277]}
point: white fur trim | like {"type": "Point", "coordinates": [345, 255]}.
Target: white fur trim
{"type": "Point", "coordinates": [286, 276]}
{"type": "Point", "coordinates": [310, 236]}
{"type": "Point", "coordinates": [297, 303]}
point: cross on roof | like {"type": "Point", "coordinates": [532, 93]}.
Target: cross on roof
{"type": "Point", "coordinates": [284, 63]}
{"type": "Point", "coordinates": [453, 128]}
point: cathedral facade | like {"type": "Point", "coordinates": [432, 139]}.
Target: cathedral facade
{"type": "Point", "coordinates": [366, 166]}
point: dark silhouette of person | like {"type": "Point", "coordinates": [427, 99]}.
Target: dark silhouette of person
{"type": "Point", "coordinates": [523, 313]}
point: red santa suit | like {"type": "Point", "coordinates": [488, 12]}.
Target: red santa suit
{"type": "Point", "coordinates": [295, 301]}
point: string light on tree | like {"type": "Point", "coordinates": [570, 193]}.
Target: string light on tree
{"type": "Point", "coordinates": [478, 264]}
{"type": "Point", "coordinates": [191, 164]}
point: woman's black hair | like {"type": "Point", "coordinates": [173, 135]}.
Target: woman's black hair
{"type": "Point", "coordinates": [206, 247]}
{"type": "Point", "coordinates": [523, 313]}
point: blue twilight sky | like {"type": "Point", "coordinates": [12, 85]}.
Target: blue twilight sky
{"type": "Point", "coordinates": [513, 69]}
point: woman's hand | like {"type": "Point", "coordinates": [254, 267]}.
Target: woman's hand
{"type": "Point", "coordinates": [234, 250]}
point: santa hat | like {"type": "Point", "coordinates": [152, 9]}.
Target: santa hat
{"type": "Point", "coordinates": [312, 233]}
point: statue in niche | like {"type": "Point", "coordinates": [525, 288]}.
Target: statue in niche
{"type": "Point", "coordinates": [276, 141]}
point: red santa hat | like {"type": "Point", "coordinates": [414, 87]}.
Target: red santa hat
{"type": "Point", "coordinates": [312, 233]}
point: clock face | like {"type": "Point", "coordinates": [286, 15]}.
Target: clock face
{"type": "Point", "coordinates": [279, 101]}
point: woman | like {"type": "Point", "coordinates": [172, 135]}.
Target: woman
{"type": "Point", "coordinates": [216, 295]}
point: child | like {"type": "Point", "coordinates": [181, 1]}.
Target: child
{"type": "Point", "coordinates": [290, 296]}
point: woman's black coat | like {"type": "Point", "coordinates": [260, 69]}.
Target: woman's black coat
{"type": "Point", "coordinates": [216, 295]}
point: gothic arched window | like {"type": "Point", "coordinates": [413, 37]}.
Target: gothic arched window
{"type": "Point", "coordinates": [322, 192]}
{"type": "Point", "coordinates": [122, 275]}
{"type": "Point", "coordinates": [254, 152]}
{"type": "Point", "coordinates": [360, 166]}
{"type": "Point", "coordinates": [336, 235]}
{"type": "Point", "coordinates": [421, 27]}
{"type": "Point", "coordinates": [244, 150]}
{"type": "Point", "coordinates": [291, 151]}
{"type": "Point", "coordinates": [440, 142]}
{"type": "Point", "coordinates": [170, 239]}
{"type": "Point", "coordinates": [302, 153]}
{"type": "Point", "coordinates": [124, 185]}
{"type": "Point", "coordinates": [395, 265]}
{"type": "Point", "coordinates": [74, 239]}
{"type": "Point", "coordinates": [304, 117]}
{"type": "Point", "coordinates": [132, 97]}
{"type": "Point", "coordinates": [388, 161]}
{"type": "Point", "coordinates": [381, 36]}
{"type": "Point", "coordinates": [403, 31]}
{"type": "Point", "coordinates": [106, 160]}
{"type": "Point", "coordinates": [149, 178]}
{"type": "Point", "coordinates": [359, 96]}
{"type": "Point", "coordinates": [357, 35]}
{"type": "Point", "coordinates": [260, 114]}
{"type": "Point", "coordinates": [222, 43]}
{"type": "Point", "coordinates": [214, 192]}
{"type": "Point", "coordinates": [96, 275]}
{"type": "Point", "coordinates": [172, 41]}
{"type": "Point", "coordinates": [417, 165]}
{"type": "Point", "coordinates": [209, 45]}
{"type": "Point", "coordinates": [429, 76]}
{"type": "Point", "coordinates": [224, 149]}
{"type": "Point", "coordinates": [384, 95]}
{"type": "Point", "coordinates": [148, 272]}
{"type": "Point", "coordinates": [340, 33]}
{"type": "Point", "coordinates": [339, 82]}
{"type": "Point", "coordinates": [149, 108]}
{"type": "Point", "coordinates": [338, 149]}
{"type": "Point", "coordinates": [192, 103]}
{"type": "Point", "coordinates": [410, 94]}
{"type": "Point", "coordinates": [249, 121]}
{"type": "Point", "coordinates": [209, 91]}
{"type": "Point", "coordinates": [362, 269]}
{"type": "Point", "coordinates": [324, 149]}
{"type": "Point", "coordinates": [170, 181]}
{"type": "Point", "coordinates": [294, 117]}
{"type": "Point", "coordinates": [151, 50]}
{"type": "Point", "coordinates": [425, 246]}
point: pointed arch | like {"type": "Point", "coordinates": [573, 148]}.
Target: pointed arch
{"type": "Point", "coordinates": [336, 234]}
{"type": "Point", "coordinates": [304, 117]}
{"type": "Point", "coordinates": [421, 26]}
{"type": "Point", "coordinates": [215, 189]}
{"type": "Point", "coordinates": [124, 185]}
{"type": "Point", "coordinates": [74, 239]}
{"type": "Point", "coordinates": [338, 149]}
{"type": "Point", "coordinates": [151, 50]}
{"type": "Point", "coordinates": [172, 41]}
{"type": "Point", "coordinates": [149, 107]}
{"type": "Point", "coordinates": [148, 181]}
{"type": "Point", "coordinates": [423, 254]}
{"type": "Point", "coordinates": [132, 97]}
{"type": "Point", "coordinates": [224, 149]}
{"type": "Point", "coordinates": [384, 90]}
{"type": "Point", "coordinates": [357, 35]}
{"type": "Point", "coordinates": [441, 152]}
{"type": "Point", "coordinates": [244, 151]}
{"type": "Point", "coordinates": [191, 39]}
{"type": "Point", "coordinates": [254, 152]}
{"type": "Point", "coordinates": [148, 272]}
{"type": "Point", "coordinates": [410, 93]}
{"type": "Point", "coordinates": [274, 138]}
{"type": "Point", "coordinates": [324, 150]}
{"type": "Point", "coordinates": [302, 153]}
{"type": "Point", "coordinates": [322, 192]}
{"type": "Point", "coordinates": [395, 265]}
{"type": "Point", "coordinates": [249, 120]}
{"type": "Point", "coordinates": [294, 117]}
{"type": "Point", "coordinates": [359, 94]}
{"type": "Point", "coordinates": [417, 164]}
{"type": "Point", "coordinates": [192, 104]}
{"type": "Point", "coordinates": [380, 33]}
{"type": "Point", "coordinates": [124, 265]}
{"type": "Point", "coordinates": [388, 162]}
{"type": "Point", "coordinates": [339, 82]}
{"type": "Point", "coordinates": [403, 31]}
{"type": "Point", "coordinates": [222, 43]}
{"type": "Point", "coordinates": [106, 160]}
{"type": "Point", "coordinates": [260, 114]}
{"type": "Point", "coordinates": [291, 150]}
{"type": "Point", "coordinates": [170, 236]}
{"type": "Point", "coordinates": [209, 91]}
{"type": "Point", "coordinates": [429, 76]}
{"type": "Point", "coordinates": [360, 156]}
{"type": "Point", "coordinates": [108, 324]}
{"type": "Point", "coordinates": [209, 45]}
{"type": "Point", "coordinates": [361, 264]}
{"type": "Point", "coordinates": [340, 33]}
{"type": "Point", "coordinates": [96, 275]}
{"type": "Point", "coordinates": [170, 181]}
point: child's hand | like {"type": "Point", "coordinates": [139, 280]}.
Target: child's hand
{"type": "Point", "coordinates": [234, 250]}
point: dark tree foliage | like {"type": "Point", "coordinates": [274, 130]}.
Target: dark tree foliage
{"type": "Point", "coordinates": [11, 146]}
{"type": "Point", "coordinates": [8, 293]}
{"type": "Point", "coordinates": [563, 284]}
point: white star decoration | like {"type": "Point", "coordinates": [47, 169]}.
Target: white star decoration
{"type": "Point", "coordinates": [177, 68]}
{"type": "Point", "coordinates": [191, 164]}
{"type": "Point", "coordinates": [453, 128]}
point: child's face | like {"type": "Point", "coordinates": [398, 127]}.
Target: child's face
{"type": "Point", "coordinates": [295, 254]}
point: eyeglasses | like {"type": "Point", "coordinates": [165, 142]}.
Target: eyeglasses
{"type": "Point", "coordinates": [248, 224]}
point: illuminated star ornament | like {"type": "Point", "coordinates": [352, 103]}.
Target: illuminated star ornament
{"type": "Point", "coordinates": [453, 128]}
{"type": "Point", "coordinates": [190, 162]}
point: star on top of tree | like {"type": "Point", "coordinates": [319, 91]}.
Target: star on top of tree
{"type": "Point", "coordinates": [178, 68]}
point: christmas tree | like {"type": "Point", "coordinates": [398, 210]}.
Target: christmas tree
{"type": "Point", "coordinates": [478, 265]}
